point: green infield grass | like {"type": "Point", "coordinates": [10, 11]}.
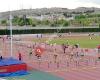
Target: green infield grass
{"type": "Point", "coordinates": [83, 41]}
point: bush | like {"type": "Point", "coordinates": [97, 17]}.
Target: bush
{"type": "Point", "coordinates": [65, 23]}
{"type": "Point", "coordinates": [33, 25]}
{"type": "Point", "coordinates": [99, 25]}
{"type": "Point", "coordinates": [34, 31]}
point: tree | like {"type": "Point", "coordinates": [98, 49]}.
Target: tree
{"type": "Point", "coordinates": [65, 23]}
{"type": "Point", "coordinates": [53, 25]}
{"type": "Point", "coordinates": [99, 25]}
{"type": "Point", "coordinates": [4, 22]}
{"type": "Point", "coordinates": [45, 22]}
{"type": "Point", "coordinates": [80, 16]}
{"type": "Point", "coordinates": [21, 22]}
{"type": "Point", "coordinates": [15, 20]}
{"type": "Point", "coordinates": [33, 24]}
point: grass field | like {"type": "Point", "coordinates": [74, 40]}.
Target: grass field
{"type": "Point", "coordinates": [83, 41]}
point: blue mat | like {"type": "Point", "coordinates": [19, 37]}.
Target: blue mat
{"type": "Point", "coordinates": [9, 61]}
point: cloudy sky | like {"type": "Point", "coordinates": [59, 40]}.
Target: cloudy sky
{"type": "Point", "coordinates": [6, 5]}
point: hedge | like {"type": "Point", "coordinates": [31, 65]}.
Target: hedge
{"type": "Point", "coordinates": [35, 31]}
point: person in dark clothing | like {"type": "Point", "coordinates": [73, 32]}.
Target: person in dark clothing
{"type": "Point", "coordinates": [37, 36]}
{"type": "Point", "coordinates": [1, 57]}
{"type": "Point", "coordinates": [30, 53]}
{"type": "Point", "coordinates": [98, 57]}
{"type": "Point", "coordinates": [55, 57]}
{"type": "Point", "coordinates": [64, 48]}
{"type": "Point", "coordinates": [76, 45]}
{"type": "Point", "coordinates": [19, 56]}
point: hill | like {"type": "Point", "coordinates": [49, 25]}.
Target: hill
{"type": "Point", "coordinates": [49, 11]}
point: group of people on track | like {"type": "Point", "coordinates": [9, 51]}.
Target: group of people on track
{"type": "Point", "coordinates": [71, 52]}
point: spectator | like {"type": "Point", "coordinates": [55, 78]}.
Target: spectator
{"type": "Point", "coordinates": [1, 55]}
{"type": "Point", "coordinates": [19, 55]}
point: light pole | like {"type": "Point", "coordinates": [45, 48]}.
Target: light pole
{"type": "Point", "coordinates": [10, 33]}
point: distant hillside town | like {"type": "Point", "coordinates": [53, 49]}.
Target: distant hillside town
{"type": "Point", "coordinates": [82, 16]}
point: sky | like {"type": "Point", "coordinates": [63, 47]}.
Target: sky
{"type": "Point", "coordinates": [9, 5]}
